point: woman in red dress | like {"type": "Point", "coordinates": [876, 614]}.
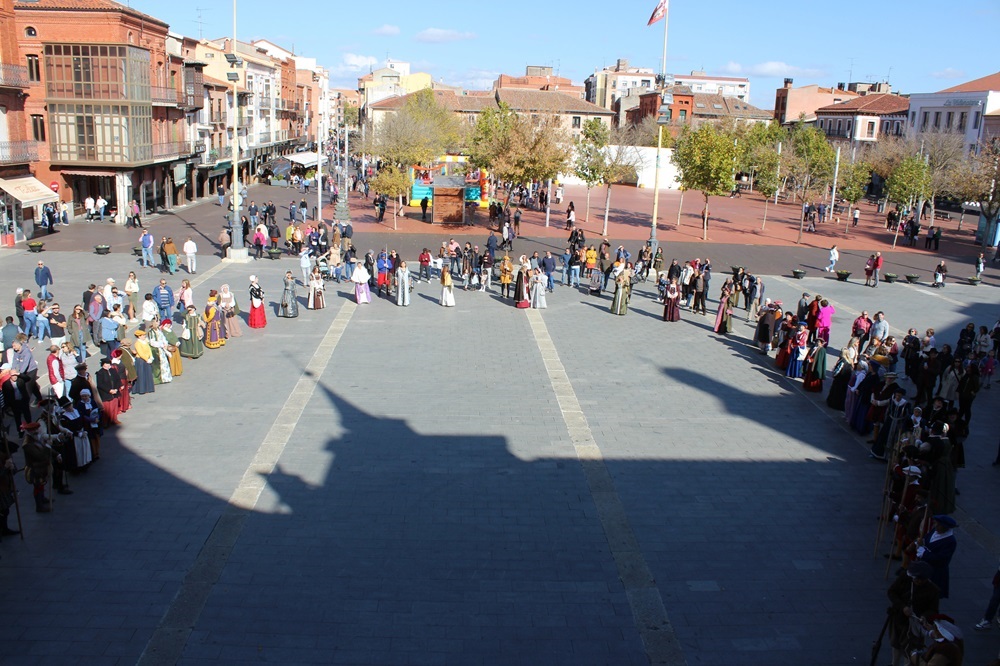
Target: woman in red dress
{"type": "Point", "coordinates": [257, 317]}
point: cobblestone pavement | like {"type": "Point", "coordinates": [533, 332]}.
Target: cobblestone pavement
{"type": "Point", "coordinates": [379, 485]}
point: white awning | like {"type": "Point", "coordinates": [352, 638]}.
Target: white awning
{"type": "Point", "coordinates": [29, 191]}
{"type": "Point", "coordinates": [305, 159]}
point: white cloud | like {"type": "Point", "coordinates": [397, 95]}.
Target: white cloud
{"type": "Point", "coordinates": [771, 68]}
{"type": "Point", "coordinates": [353, 64]}
{"type": "Point", "coordinates": [386, 30]}
{"type": "Point", "coordinates": [472, 79]}
{"type": "Point", "coordinates": [442, 36]}
{"type": "Point", "coordinates": [948, 73]}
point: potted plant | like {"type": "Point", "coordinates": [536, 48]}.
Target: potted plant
{"type": "Point", "coordinates": [891, 277]}
{"type": "Point", "coordinates": [912, 278]}
{"type": "Point", "coordinates": [973, 280]}
{"type": "Point", "coordinates": [843, 275]}
{"type": "Point", "coordinates": [274, 252]}
{"type": "Point", "coordinates": [798, 273]}
{"type": "Point", "coordinates": [35, 246]}
{"type": "Point", "coordinates": [102, 249]}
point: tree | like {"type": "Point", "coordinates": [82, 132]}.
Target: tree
{"type": "Point", "coordinates": [909, 181]}
{"type": "Point", "coordinates": [351, 116]}
{"type": "Point", "coordinates": [591, 163]}
{"type": "Point", "coordinates": [620, 159]}
{"type": "Point", "coordinates": [392, 182]}
{"type": "Point", "coordinates": [977, 178]}
{"type": "Point", "coordinates": [418, 133]}
{"type": "Point", "coordinates": [706, 158]}
{"type": "Point", "coordinates": [765, 162]}
{"type": "Point", "coordinates": [944, 150]}
{"type": "Point", "coordinates": [750, 139]}
{"type": "Point", "coordinates": [810, 164]}
{"type": "Point", "coordinates": [853, 185]}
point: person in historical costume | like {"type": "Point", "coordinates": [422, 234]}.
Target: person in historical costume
{"type": "Point", "coordinates": [538, 282]}
{"type": "Point", "coordinates": [230, 312]}
{"type": "Point", "coordinates": [522, 296]}
{"type": "Point", "coordinates": [404, 283]}
{"type": "Point", "coordinates": [143, 365]}
{"type": "Point", "coordinates": [842, 375]}
{"type": "Point", "coordinates": [215, 336]}
{"type": "Point", "coordinates": [853, 397]}
{"type": "Point", "coordinates": [671, 302]}
{"type": "Point", "coordinates": [937, 549]}
{"type": "Point", "coordinates": [619, 304]}
{"type": "Point", "coordinates": [815, 368]}
{"type": "Point", "coordinates": [859, 419]}
{"type": "Point", "coordinates": [506, 275]}
{"type": "Point", "coordinates": [109, 384]}
{"type": "Point", "coordinates": [77, 452]}
{"type": "Point", "coordinates": [38, 457]}
{"type": "Point", "coordinates": [360, 277]}
{"type": "Point", "coordinates": [257, 317]}
{"type": "Point", "coordinates": [191, 344]}
{"type": "Point", "coordinates": [912, 596]}
{"type": "Point", "coordinates": [897, 421]}
{"type": "Point", "coordinates": [161, 357]}
{"type": "Point", "coordinates": [317, 297]}
{"type": "Point", "coordinates": [173, 347]}
{"type": "Point", "coordinates": [447, 288]}
{"type": "Point", "coordinates": [124, 361]}
{"type": "Point", "coordinates": [798, 352]}
{"type": "Point", "coordinates": [90, 410]}
{"type": "Point", "coordinates": [289, 306]}
{"type": "Point", "coordinates": [724, 315]}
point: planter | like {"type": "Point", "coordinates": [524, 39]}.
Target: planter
{"type": "Point", "coordinates": [912, 278]}
{"type": "Point", "coordinates": [137, 251]}
{"type": "Point", "coordinates": [275, 253]}
{"type": "Point", "coordinates": [843, 275]}
{"type": "Point", "coordinates": [798, 273]}
{"type": "Point", "coordinates": [974, 281]}
{"type": "Point", "coordinates": [890, 277]}
{"type": "Point", "coordinates": [102, 249]}
{"type": "Point", "coordinates": [35, 246]}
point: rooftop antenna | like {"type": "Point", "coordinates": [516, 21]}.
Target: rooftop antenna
{"type": "Point", "coordinates": [201, 23]}
{"type": "Point", "coordinates": [888, 77]}
{"type": "Point", "coordinates": [850, 72]}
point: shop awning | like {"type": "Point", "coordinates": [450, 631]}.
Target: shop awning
{"type": "Point", "coordinates": [102, 173]}
{"type": "Point", "coordinates": [305, 159]}
{"type": "Point", "coordinates": [29, 191]}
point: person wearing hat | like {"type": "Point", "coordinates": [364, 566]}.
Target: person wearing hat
{"type": "Point", "coordinates": [123, 362]}
{"type": "Point", "coordinates": [937, 549]}
{"type": "Point", "coordinates": [109, 384]}
{"type": "Point", "coordinates": [880, 397]}
{"type": "Point", "coordinates": [90, 411]}
{"type": "Point", "coordinates": [946, 645]}
{"type": "Point", "coordinates": [912, 596]}
{"type": "Point", "coordinates": [14, 396]}
{"type": "Point", "coordinates": [143, 358]}
{"type": "Point", "coordinates": [38, 457]}
{"type": "Point", "coordinates": [896, 419]}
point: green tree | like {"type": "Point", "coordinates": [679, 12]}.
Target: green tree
{"type": "Point", "coordinates": [976, 178]}
{"type": "Point", "coordinates": [392, 182]}
{"type": "Point", "coordinates": [764, 163]}
{"type": "Point", "coordinates": [421, 131]}
{"type": "Point", "coordinates": [944, 151]}
{"type": "Point", "coordinates": [854, 179]}
{"type": "Point", "coordinates": [620, 161]}
{"type": "Point", "coordinates": [706, 158]}
{"type": "Point", "coordinates": [351, 116]}
{"type": "Point", "coordinates": [809, 165]}
{"type": "Point", "coordinates": [590, 164]}
{"type": "Point", "coordinates": [909, 181]}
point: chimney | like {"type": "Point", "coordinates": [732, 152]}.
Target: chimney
{"type": "Point", "coordinates": [788, 83]}
{"type": "Point", "coordinates": [621, 65]}
{"type": "Point", "coordinates": [841, 86]}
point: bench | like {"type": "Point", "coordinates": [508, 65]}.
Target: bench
{"type": "Point", "coordinates": [942, 215]}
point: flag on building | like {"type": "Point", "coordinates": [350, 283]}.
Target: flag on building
{"type": "Point", "coordinates": [658, 13]}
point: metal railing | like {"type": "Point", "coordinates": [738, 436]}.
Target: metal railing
{"type": "Point", "coordinates": [263, 137]}
{"type": "Point", "coordinates": [217, 154]}
{"type": "Point", "coordinates": [16, 152]}
{"type": "Point", "coordinates": [13, 76]}
{"type": "Point", "coordinates": [165, 95]}
{"type": "Point", "coordinates": [171, 148]}
{"type": "Point", "coordinates": [264, 102]}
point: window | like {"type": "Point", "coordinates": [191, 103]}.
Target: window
{"type": "Point", "coordinates": [38, 128]}
{"type": "Point", "coordinates": [975, 121]}
{"type": "Point", "coordinates": [850, 123]}
{"type": "Point", "coordinates": [684, 114]}
{"type": "Point", "coordinates": [948, 118]}
{"type": "Point", "coordinates": [913, 118]}
{"type": "Point", "coordinates": [838, 126]}
{"type": "Point", "coordinates": [937, 120]}
{"type": "Point", "coordinates": [923, 121]}
{"type": "Point", "coordinates": [871, 130]}
{"type": "Point", "coordinates": [576, 122]}
{"type": "Point", "coordinates": [34, 70]}
{"type": "Point", "coordinates": [963, 117]}
{"type": "Point", "coordinates": [30, 32]}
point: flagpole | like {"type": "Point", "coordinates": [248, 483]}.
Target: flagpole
{"type": "Point", "coordinates": [666, 16]}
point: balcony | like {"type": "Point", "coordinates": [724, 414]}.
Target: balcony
{"type": "Point", "coordinates": [264, 102]}
{"type": "Point", "coordinates": [13, 76]}
{"type": "Point", "coordinates": [18, 152]}
{"type": "Point", "coordinates": [263, 138]}
{"type": "Point", "coordinates": [164, 96]}
{"type": "Point", "coordinates": [216, 155]}
{"type": "Point", "coordinates": [839, 134]}
{"type": "Point", "coordinates": [170, 149]}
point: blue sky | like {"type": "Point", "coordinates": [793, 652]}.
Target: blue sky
{"type": "Point", "coordinates": [908, 43]}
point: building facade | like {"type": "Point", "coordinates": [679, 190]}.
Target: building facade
{"type": "Point", "coordinates": [792, 104]}
{"type": "Point", "coordinates": [864, 120]}
{"type": "Point", "coordinates": [728, 86]}
{"type": "Point", "coordinates": [961, 109]}
{"type": "Point", "coordinates": [606, 86]}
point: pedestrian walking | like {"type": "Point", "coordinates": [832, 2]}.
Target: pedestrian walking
{"type": "Point", "coordinates": [190, 255]}
{"type": "Point", "coordinates": [43, 278]}
{"type": "Point", "coordinates": [834, 258]}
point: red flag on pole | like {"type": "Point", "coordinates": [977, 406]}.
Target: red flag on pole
{"type": "Point", "coordinates": [658, 13]}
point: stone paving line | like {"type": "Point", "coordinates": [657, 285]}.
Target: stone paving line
{"type": "Point", "coordinates": [645, 599]}
{"type": "Point", "coordinates": [170, 638]}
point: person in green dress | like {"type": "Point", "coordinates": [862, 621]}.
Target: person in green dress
{"type": "Point", "coordinates": [623, 289]}
{"type": "Point", "coordinates": [190, 343]}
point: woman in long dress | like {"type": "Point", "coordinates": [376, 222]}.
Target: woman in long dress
{"type": "Point", "coordinates": [230, 312]}
{"type": "Point", "coordinates": [671, 302]}
{"type": "Point", "coordinates": [853, 397]}
{"type": "Point", "coordinates": [360, 277]}
{"type": "Point", "coordinates": [447, 288]}
{"type": "Point", "coordinates": [258, 319]}
{"type": "Point", "coordinates": [522, 297]}
{"type": "Point", "coordinates": [538, 290]}
{"type": "Point", "coordinates": [289, 306]}
{"type": "Point", "coordinates": [799, 351]}
{"type": "Point", "coordinates": [815, 364]}
{"type": "Point", "coordinates": [619, 304]}
{"type": "Point", "coordinates": [172, 350]}
{"type": "Point", "coordinates": [317, 300]}
{"type": "Point", "coordinates": [404, 283]}
{"type": "Point", "coordinates": [161, 358]}
{"type": "Point", "coordinates": [143, 365]}
{"type": "Point", "coordinates": [215, 336]}
{"type": "Point", "coordinates": [506, 275]}
{"type": "Point", "coordinates": [838, 386]}
{"type": "Point", "coordinates": [191, 345]}
{"type": "Point", "coordinates": [724, 315]}
{"type": "Point", "coordinates": [125, 360]}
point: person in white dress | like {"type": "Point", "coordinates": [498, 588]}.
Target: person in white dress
{"type": "Point", "coordinates": [317, 300]}
{"type": "Point", "coordinates": [403, 284]}
{"type": "Point", "coordinates": [538, 290]}
{"type": "Point", "coordinates": [447, 288]}
{"type": "Point", "coordinates": [360, 277]}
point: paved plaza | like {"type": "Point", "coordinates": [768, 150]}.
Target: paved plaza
{"type": "Point", "coordinates": [482, 485]}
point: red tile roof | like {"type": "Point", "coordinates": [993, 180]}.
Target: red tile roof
{"type": "Point", "coordinates": [722, 106]}
{"type": "Point", "coordinates": [548, 101]}
{"type": "Point", "coordinates": [446, 98]}
{"type": "Point", "coordinates": [84, 6]}
{"type": "Point", "coordinates": [878, 104]}
{"type": "Point", "coordinates": [983, 84]}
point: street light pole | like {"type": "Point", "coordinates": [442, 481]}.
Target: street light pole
{"type": "Point", "coordinates": [653, 242]}
{"type": "Point", "coordinates": [237, 251]}
{"type": "Point", "coordinates": [319, 155]}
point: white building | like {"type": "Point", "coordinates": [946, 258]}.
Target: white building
{"type": "Point", "coordinates": [606, 85]}
{"type": "Point", "coordinates": [728, 86]}
{"type": "Point", "coordinates": [961, 108]}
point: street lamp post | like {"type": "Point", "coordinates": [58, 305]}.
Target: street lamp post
{"type": "Point", "coordinates": [237, 251]}
{"type": "Point", "coordinates": [666, 100]}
